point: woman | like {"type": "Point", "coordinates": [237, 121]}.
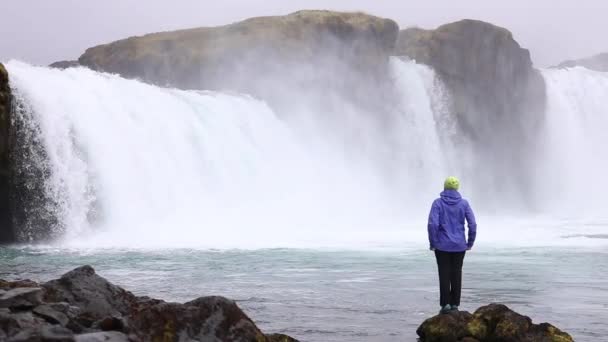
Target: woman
{"type": "Point", "coordinates": [447, 239]}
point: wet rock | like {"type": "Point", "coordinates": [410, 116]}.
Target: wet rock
{"type": "Point", "coordinates": [450, 327]}
{"type": "Point", "coordinates": [280, 338]}
{"type": "Point", "coordinates": [110, 324]}
{"type": "Point", "coordinates": [93, 294]}
{"type": "Point", "coordinates": [494, 322]}
{"type": "Point", "coordinates": [12, 323]}
{"type": "Point", "coordinates": [105, 336]}
{"type": "Point", "coordinates": [51, 315]}
{"type": "Point", "coordinates": [44, 334]}
{"type": "Point", "coordinates": [206, 318]}
{"type": "Point", "coordinates": [7, 285]}
{"type": "Point", "coordinates": [20, 298]}
{"type": "Point", "coordinates": [96, 310]}
{"type": "Point", "coordinates": [65, 308]}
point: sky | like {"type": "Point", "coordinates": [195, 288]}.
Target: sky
{"type": "Point", "coordinates": [45, 31]}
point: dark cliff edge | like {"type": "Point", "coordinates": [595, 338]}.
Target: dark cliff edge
{"type": "Point", "coordinates": [597, 62]}
{"type": "Point", "coordinates": [83, 306]}
{"type": "Point", "coordinates": [497, 96]}
{"type": "Point", "coordinates": [490, 323]}
{"type": "Point", "coordinates": [6, 224]}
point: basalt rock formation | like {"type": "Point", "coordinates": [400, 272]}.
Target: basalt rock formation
{"type": "Point", "coordinates": [82, 306]}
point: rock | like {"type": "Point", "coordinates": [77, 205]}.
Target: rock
{"type": "Point", "coordinates": [497, 97]}
{"type": "Point", "coordinates": [110, 324]}
{"type": "Point", "coordinates": [105, 336]}
{"type": "Point", "coordinates": [6, 224]}
{"type": "Point", "coordinates": [104, 306]}
{"type": "Point", "coordinates": [598, 62]}
{"type": "Point", "coordinates": [494, 322]}
{"type": "Point", "coordinates": [94, 295]}
{"type": "Point", "coordinates": [65, 308]}
{"type": "Point", "coordinates": [267, 57]}
{"type": "Point", "coordinates": [7, 285]}
{"type": "Point", "coordinates": [44, 334]}
{"type": "Point", "coordinates": [51, 315]}
{"type": "Point", "coordinates": [19, 298]}
{"type": "Point", "coordinates": [12, 323]}
{"type": "Point", "coordinates": [204, 319]}
{"type": "Point", "coordinates": [280, 338]}
{"type": "Point", "coordinates": [450, 327]}
{"type": "Point", "coordinates": [65, 64]}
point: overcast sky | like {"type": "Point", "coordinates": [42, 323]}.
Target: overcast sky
{"type": "Point", "coordinates": [44, 31]}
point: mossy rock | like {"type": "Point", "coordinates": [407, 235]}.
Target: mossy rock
{"type": "Point", "coordinates": [490, 323]}
{"type": "Point", "coordinates": [477, 328]}
{"type": "Point", "coordinates": [280, 338]}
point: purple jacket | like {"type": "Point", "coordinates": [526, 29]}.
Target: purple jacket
{"type": "Point", "coordinates": [446, 223]}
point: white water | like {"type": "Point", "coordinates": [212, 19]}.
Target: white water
{"type": "Point", "coordinates": [168, 168]}
{"type": "Point", "coordinates": [575, 164]}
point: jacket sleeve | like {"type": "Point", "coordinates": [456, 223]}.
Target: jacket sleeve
{"type": "Point", "coordinates": [433, 225]}
{"type": "Point", "coordinates": [472, 224]}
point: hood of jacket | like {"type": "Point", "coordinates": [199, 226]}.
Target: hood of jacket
{"type": "Point", "coordinates": [450, 197]}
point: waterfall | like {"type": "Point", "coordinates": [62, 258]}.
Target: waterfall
{"type": "Point", "coordinates": [123, 163]}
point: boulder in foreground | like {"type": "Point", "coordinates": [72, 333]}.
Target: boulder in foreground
{"type": "Point", "coordinates": [82, 306]}
{"type": "Point", "coordinates": [494, 322]}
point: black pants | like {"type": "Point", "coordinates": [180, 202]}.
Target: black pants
{"type": "Point", "coordinates": [450, 276]}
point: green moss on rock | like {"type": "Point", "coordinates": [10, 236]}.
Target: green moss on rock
{"type": "Point", "coordinates": [494, 322]}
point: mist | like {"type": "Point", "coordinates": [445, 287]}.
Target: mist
{"type": "Point", "coordinates": [43, 32]}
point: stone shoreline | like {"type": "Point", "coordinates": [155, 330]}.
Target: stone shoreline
{"type": "Point", "coordinates": [83, 306]}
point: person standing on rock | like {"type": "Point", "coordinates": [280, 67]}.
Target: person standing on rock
{"type": "Point", "coordinates": [448, 241]}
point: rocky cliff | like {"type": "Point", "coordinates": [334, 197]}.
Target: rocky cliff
{"type": "Point", "coordinates": [84, 307]}
{"type": "Point", "coordinates": [497, 96]}
{"type": "Point", "coordinates": [269, 57]}
{"type": "Point", "coordinates": [598, 63]}
{"type": "Point", "coordinates": [6, 229]}
{"type": "Point", "coordinates": [488, 72]}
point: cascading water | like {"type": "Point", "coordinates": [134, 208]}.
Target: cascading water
{"type": "Point", "coordinates": [575, 143]}
{"type": "Point", "coordinates": [132, 164]}
{"type": "Point", "coordinates": [140, 165]}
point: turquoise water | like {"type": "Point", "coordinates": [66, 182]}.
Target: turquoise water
{"type": "Point", "coordinates": [348, 295]}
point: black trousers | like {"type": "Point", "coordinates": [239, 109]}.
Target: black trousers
{"type": "Point", "coordinates": [450, 276]}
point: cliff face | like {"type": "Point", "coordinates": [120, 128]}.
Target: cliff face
{"type": "Point", "coordinates": [497, 96]}
{"type": "Point", "coordinates": [264, 56]}
{"type": "Point", "coordinates": [6, 229]}
{"type": "Point", "coordinates": [598, 63]}
{"type": "Point", "coordinates": [490, 76]}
